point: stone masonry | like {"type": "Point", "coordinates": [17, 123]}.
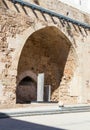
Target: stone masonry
{"type": "Point", "coordinates": [32, 43]}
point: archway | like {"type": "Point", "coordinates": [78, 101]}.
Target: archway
{"type": "Point", "coordinates": [48, 51]}
{"type": "Point", "coordinates": [26, 90]}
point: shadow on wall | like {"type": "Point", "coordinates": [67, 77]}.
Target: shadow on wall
{"type": "Point", "coordinates": [14, 124]}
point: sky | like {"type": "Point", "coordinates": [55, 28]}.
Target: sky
{"type": "Point", "coordinates": [83, 5]}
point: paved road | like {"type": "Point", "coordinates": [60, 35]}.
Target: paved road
{"type": "Point", "coordinates": [70, 121]}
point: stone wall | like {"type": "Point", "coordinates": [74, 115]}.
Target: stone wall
{"type": "Point", "coordinates": [21, 30]}
{"type": "Point", "coordinates": [9, 28]}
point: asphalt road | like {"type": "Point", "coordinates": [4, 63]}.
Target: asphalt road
{"type": "Point", "coordinates": [70, 121]}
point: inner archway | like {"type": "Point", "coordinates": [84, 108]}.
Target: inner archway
{"type": "Point", "coordinates": [26, 90]}
{"type": "Point", "coordinates": [48, 51]}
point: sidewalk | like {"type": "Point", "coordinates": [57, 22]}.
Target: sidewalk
{"type": "Point", "coordinates": [42, 109]}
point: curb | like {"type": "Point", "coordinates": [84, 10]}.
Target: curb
{"type": "Point", "coordinates": [60, 110]}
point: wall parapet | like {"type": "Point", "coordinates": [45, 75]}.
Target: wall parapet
{"type": "Point", "coordinates": [51, 13]}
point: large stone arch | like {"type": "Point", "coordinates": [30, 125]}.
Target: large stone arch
{"type": "Point", "coordinates": [44, 35]}
{"type": "Point", "coordinates": [26, 34]}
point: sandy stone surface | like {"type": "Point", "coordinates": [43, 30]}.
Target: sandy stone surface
{"type": "Point", "coordinates": [33, 42]}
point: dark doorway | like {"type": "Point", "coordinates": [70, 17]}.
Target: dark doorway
{"type": "Point", "coordinates": [26, 90]}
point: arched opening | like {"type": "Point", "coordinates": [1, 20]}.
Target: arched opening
{"type": "Point", "coordinates": [26, 90]}
{"type": "Point", "coordinates": [49, 51]}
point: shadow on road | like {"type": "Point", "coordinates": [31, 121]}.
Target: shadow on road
{"type": "Point", "coordinates": [7, 123]}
